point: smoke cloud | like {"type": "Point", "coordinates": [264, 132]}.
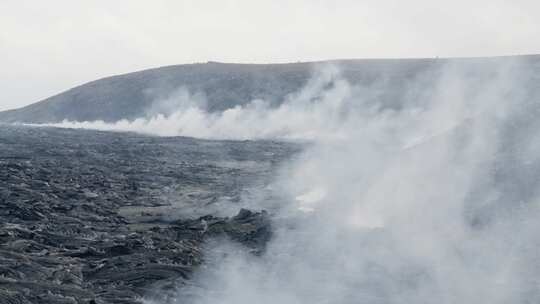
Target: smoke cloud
{"type": "Point", "coordinates": [431, 202]}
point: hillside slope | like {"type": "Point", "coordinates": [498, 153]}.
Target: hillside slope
{"type": "Point", "coordinates": [224, 85]}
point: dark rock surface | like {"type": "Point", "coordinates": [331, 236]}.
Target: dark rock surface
{"type": "Point", "coordinates": [130, 95]}
{"type": "Point", "coordinates": [64, 239]}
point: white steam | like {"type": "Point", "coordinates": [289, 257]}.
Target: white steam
{"type": "Point", "coordinates": [433, 202]}
{"type": "Point", "coordinates": [314, 112]}
{"type": "Point", "coordinates": [403, 207]}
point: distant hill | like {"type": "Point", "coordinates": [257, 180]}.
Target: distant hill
{"type": "Point", "coordinates": [130, 95]}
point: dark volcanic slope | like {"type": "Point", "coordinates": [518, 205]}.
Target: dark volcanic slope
{"type": "Point", "coordinates": [86, 217]}
{"type": "Point", "coordinates": [129, 96]}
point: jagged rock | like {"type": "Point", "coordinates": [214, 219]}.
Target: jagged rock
{"type": "Point", "coordinates": [63, 238]}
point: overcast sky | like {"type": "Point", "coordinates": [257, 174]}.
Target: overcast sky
{"type": "Point", "coordinates": [49, 46]}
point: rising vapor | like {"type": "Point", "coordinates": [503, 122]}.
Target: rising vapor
{"type": "Point", "coordinates": [433, 201]}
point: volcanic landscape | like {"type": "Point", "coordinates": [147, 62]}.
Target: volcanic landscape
{"type": "Point", "coordinates": [92, 217]}
{"type": "Point", "coordinates": [351, 181]}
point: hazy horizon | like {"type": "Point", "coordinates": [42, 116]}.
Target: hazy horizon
{"type": "Point", "coordinates": [48, 47]}
{"type": "Point", "coordinates": [61, 90]}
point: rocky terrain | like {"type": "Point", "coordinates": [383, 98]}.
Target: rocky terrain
{"type": "Point", "coordinates": [90, 217]}
{"type": "Point", "coordinates": [105, 217]}
{"type": "Point", "coordinates": [223, 86]}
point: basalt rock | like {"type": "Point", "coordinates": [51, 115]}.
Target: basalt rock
{"type": "Point", "coordinates": [90, 217]}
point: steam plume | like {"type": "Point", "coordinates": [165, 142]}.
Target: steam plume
{"type": "Point", "coordinates": [431, 202]}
